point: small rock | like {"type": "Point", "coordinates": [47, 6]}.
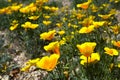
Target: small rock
{"type": "Point", "coordinates": [0, 77]}
{"type": "Point", "coordinates": [5, 77]}
{"type": "Point", "coordinates": [118, 37]}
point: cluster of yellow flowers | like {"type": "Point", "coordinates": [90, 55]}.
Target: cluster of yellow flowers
{"type": "Point", "coordinates": [14, 25]}
{"type": "Point", "coordinates": [87, 50]}
{"type": "Point", "coordinates": [29, 9]}
{"type": "Point", "coordinates": [78, 21]}
{"type": "Point", "coordinates": [84, 5]}
{"type": "Point", "coordinates": [88, 23]}
{"type": "Point", "coordinates": [53, 9]}
{"type": "Point", "coordinates": [47, 63]}
{"type": "Point", "coordinates": [32, 7]}
{"type": "Point", "coordinates": [48, 35]}
{"type": "Point", "coordinates": [29, 25]}
{"type": "Point", "coordinates": [10, 9]}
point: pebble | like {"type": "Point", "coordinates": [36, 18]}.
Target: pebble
{"type": "Point", "coordinates": [5, 77]}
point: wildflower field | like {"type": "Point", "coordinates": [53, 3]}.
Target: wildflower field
{"type": "Point", "coordinates": [60, 39]}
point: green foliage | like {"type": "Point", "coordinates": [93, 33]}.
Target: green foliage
{"type": "Point", "coordinates": [5, 60]}
{"type": "Point", "coordinates": [72, 21]}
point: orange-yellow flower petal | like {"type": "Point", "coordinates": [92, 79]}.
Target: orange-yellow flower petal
{"type": "Point", "coordinates": [53, 9]}
{"type": "Point", "coordinates": [33, 17]}
{"type": "Point", "coordinates": [84, 5]}
{"type": "Point", "coordinates": [53, 46]}
{"type": "Point", "coordinates": [29, 25]}
{"type": "Point", "coordinates": [87, 21]}
{"type": "Point", "coordinates": [106, 16]}
{"type": "Point", "coordinates": [111, 51]}
{"type": "Point", "coordinates": [33, 61]}
{"type": "Point", "coordinates": [116, 43]}
{"type": "Point", "coordinates": [13, 27]}
{"type": "Point", "coordinates": [115, 29]}
{"type": "Point", "coordinates": [86, 48]}
{"type": "Point", "coordinates": [47, 23]}
{"type": "Point", "coordinates": [61, 32]}
{"type": "Point", "coordinates": [28, 8]}
{"type": "Point", "coordinates": [98, 23]}
{"type": "Point", "coordinates": [91, 59]}
{"type": "Point", "coordinates": [48, 35]}
{"type": "Point", "coordinates": [26, 68]}
{"type": "Point", "coordinates": [48, 63]}
{"type": "Point", "coordinates": [86, 29]}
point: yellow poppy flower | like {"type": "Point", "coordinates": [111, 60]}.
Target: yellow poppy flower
{"type": "Point", "coordinates": [88, 21]}
{"type": "Point", "coordinates": [33, 26]}
{"type": "Point", "coordinates": [33, 61]}
{"type": "Point", "coordinates": [91, 59]}
{"type": "Point", "coordinates": [61, 32]}
{"type": "Point", "coordinates": [48, 35]}
{"type": "Point", "coordinates": [24, 10]}
{"type": "Point", "coordinates": [106, 16]}
{"type": "Point", "coordinates": [53, 47]}
{"type": "Point", "coordinates": [14, 22]}
{"type": "Point", "coordinates": [46, 7]}
{"type": "Point", "coordinates": [48, 63]}
{"type": "Point", "coordinates": [98, 23]}
{"type": "Point", "coordinates": [53, 9]}
{"type": "Point", "coordinates": [46, 16]}
{"type": "Point", "coordinates": [6, 10]}
{"type": "Point", "coordinates": [111, 51]}
{"type": "Point", "coordinates": [29, 64]}
{"type": "Point", "coordinates": [94, 8]}
{"type": "Point", "coordinates": [33, 17]}
{"type": "Point", "coordinates": [116, 43]}
{"type": "Point", "coordinates": [79, 16]}
{"type": "Point", "coordinates": [62, 41]}
{"type": "Point", "coordinates": [86, 29]}
{"type": "Point", "coordinates": [32, 7]}
{"type": "Point", "coordinates": [29, 8]}
{"type": "Point", "coordinates": [84, 5]}
{"type": "Point", "coordinates": [86, 48]}
{"type": "Point", "coordinates": [26, 68]}
{"type": "Point", "coordinates": [46, 23]}
{"type": "Point", "coordinates": [115, 29]}
{"type": "Point", "coordinates": [16, 7]}
{"type": "Point", "coordinates": [29, 25]}
{"type": "Point", "coordinates": [13, 27]}
{"type": "Point", "coordinates": [59, 24]}
{"type": "Point", "coordinates": [26, 25]}
{"type": "Point", "coordinates": [40, 2]}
